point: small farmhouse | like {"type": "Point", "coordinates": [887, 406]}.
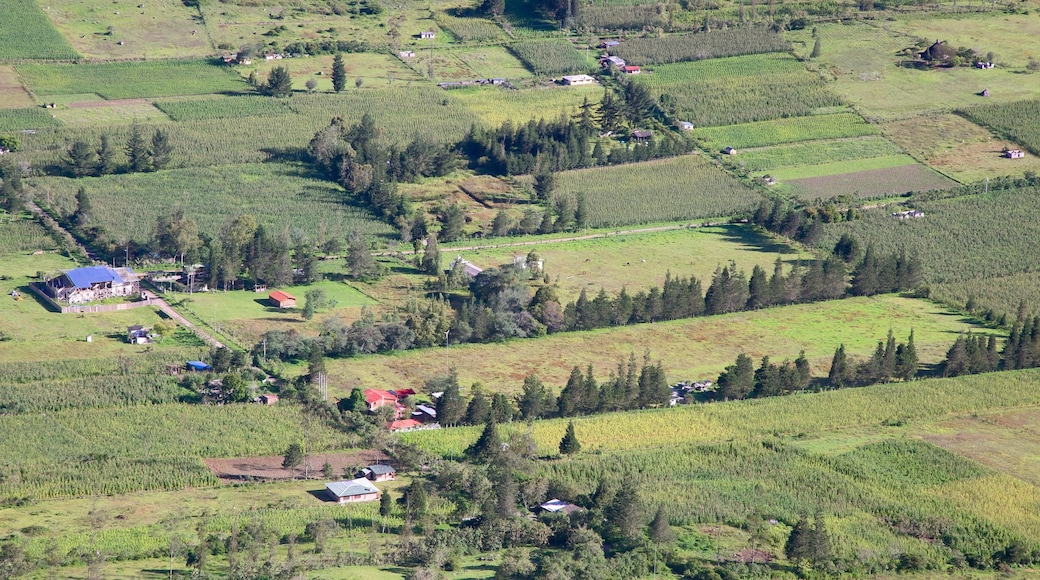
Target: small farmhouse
{"type": "Point", "coordinates": [406, 54]}
{"type": "Point", "coordinates": [377, 399]}
{"type": "Point", "coordinates": [282, 299]}
{"type": "Point", "coordinates": [555, 506]}
{"type": "Point", "coordinates": [613, 61]}
{"type": "Point", "coordinates": [92, 283]}
{"type": "Point", "coordinates": [729, 151]}
{"type": "Point", "coordinates": [686, 125]}
{"type": "Point", "coordinates": [1014, 154]}
{"type": "Point", "coordinates": [573, 80]}
{"type": "Point", "coordinates": [427, 34]}
{"type": "Point", "coordinates": [378, 472]}
{"type": "Point", "coordinates": [631, 70]}
{"type": "Point", "coordinates": [424, 414]}
{"type": "Point", "coordinates": [468, 267]}
{"type": "Point", "coordinates": [938, 53]}
{"type": "Point", "coordinates": [268, 399]}
{"type": "Point", "coordinates": [403, 425]}
{"type": "Point", "coordinates": [137, 334]}
{"type": "Point", "coordinates": [355, 490]}
{"type": "Point", "coordinates": [642, 134]}
{"type": "Point", "coordinates": [197, 365]}
{"type": "Point", "coordinates": [609, 44]}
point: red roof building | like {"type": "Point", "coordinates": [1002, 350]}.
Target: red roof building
{"type": "Point", "coordinates": [403, 424]}
{"type": "Point", "coordinates": [631, 70]}
{"type": "Point", "coordinates": [282, 299]}
{"type": "Point", "coordinates": [376, 399]}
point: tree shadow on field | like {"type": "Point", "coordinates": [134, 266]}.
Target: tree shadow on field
{"type": "Point", "coordinates": [285, 155]}
{"type": "Point", "coordinates": [754, 240]}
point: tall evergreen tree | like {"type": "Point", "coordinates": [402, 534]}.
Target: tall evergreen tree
{"type": "Point", "coordinates": [479, 410]}
{"type": "Point", "coordinates": [841, 373]}
{"type": "Point", "coordinates": [339, 73]}
{"type": "Point", "coordinates": [569, 444]}
{"type": "Point", "coordinates": [137, 154]}
{"type": "Point", "coordinates": [279, 83]}
{"type": "Point", "coordinates": [738, 380]}
{"type": "Point", "coordinates": [797, 547]}
{"type": "Point", "coordinates": [660, 531]}
{"type": "Point", "coordinates": [431, 260]}
{"type": "Point", "coordinates": [360, 264]}
{"type": "Point", "coordinates": [758, 289]}
{"type": "Point", "coordinates": [106, 156]}
{"type": "Point", "coordinates": [451, 407]}
{"type": "Point", "coordinates": [487, 447]}
{"type": "Point", "coordinates": [819, 542]}
{"type": "Point", "coordinates": [906, 358]}
{"type": "Point", "coordinates": [84, 214]}
{"type": "Point", "coordinates": [81, 159]}
{"type": "Point", "coordinates": [161, 150]}
{"type": "Point", "coordinates": [570, 403]}
{"type": "Point", "coordinates": [502, 410]}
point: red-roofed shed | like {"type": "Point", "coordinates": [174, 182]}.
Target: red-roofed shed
{"type": "Point", "coordinates": [282, 299]}
{"type": "Point", "coordinates": [403, 424]}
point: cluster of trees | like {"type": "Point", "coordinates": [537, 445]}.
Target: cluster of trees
{"type": "Point", "coordinates": [12, 190]}
{"type": "Point", "coordinates": [809, 543]}
{"type": "Point", "coordinates": [889, 361]}
{"type": "Point", "coordinates": [354, 157]}
{"type": "Point", "coordinates": [803, 224]}
{"type": "Point", "coordinates": [83, 160]}
{"type": "Point", "coordinates": [975, 353]}
{"type": "Point", "coordinates": [741, 381]}
{"type": "Point", "coordinates": [329, 46]}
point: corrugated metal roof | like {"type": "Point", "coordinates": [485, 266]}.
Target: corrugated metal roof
{"type": "Point", "coordinates": [360, 486]}
{"type": "Point", "coordinates": [86, 277]}
{"type": "Point", "coordinates": [380, 469]}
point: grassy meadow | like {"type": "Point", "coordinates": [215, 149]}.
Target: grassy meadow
{"type": "Point", "coordinates": [637, 261]}
{"type": "Point", "coordinates": [692, 349]}
{"type": "Point", "coordinates": [879, 177]}
{"type": "Point", "coordinates": [780, 131]}
{"type": "Point", "coordinates": [1009, 36]}
{"type": "Point", "coordinates": [781, 157]}
{"type": "Point", "coordinates": [129, 80]}
{"type": "Point", "coordinates": [680, 188]}
{"type": "Point", "coordinates": [496, 105]}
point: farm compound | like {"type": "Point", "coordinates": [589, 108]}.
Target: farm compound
{"type": "Point", "coordinates": [81, 285]}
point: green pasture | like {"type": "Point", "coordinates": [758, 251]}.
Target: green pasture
{"type": "Point", "coordinates": [694, 349]}
{"type": "Point", "coordinates": [128, 80]}
{"type": "Point", "coordinates": [864, 62]}
{"type": "Point", "coordinates": [375, 69]}
{"type": "Point", "coordinates": [961, 149]}
{"type": "Point", "coordinates": [838, 167]}
{"type": "Point", "coordinates": [956, 241]}
{"type": "Point", "coordinates": [28, 34]}
{"type": "Point", "coordinates": [107, 30]}
{"type": "Point", "coordinates": [680, 188]}
{"type": "Point", "coordinates": [1001, 440]}
{"type": "Point", "coordinates": [496, 105]}
{"type": "Point", "coordinates": [638, 261]}
{"type": "Point", "coordinates": [1011, 37]}
{"type": "Point", "coordinates": [872, 183]}
{"type": "Point", "coordinates": [781, 131]}
{"type": "Point", "coordinates": [492, 62]}
{"type": "Point", "coordinates": [280, 196]}
{"type": "Point", "coordinates": [109, 113]}
{"type": "Point", "coordinates": [780, 157]}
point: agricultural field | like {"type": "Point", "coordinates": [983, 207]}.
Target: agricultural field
{"type": "Point", "coordinates": [692, 349]}
{"type": "Point", "coordinates": [742, 89]}
{"type": "Point", "coordinates": [18, 235]}
{"type": "Point", "coordinates": [26, 120]}
{"type": "Point", "coordinates": [680, 188]}
{"type": "Point", "coordinates": [639, 260]}
{"type": "Point", "coordinates": [124, 31]}
{"type": "Point", "coordinates": [959, 148]}
{"type": "Point", "coordinates": [864, 62]}
{"type": "Point", "coordinates": [12, 94]}
{"type": "Point", "coordinates": [468, 29]}
{"type": "Point", "coordinates": [699, 46]}
{"type": "Point", "coordinates": [1006, 441]}
{"type": "Point", "coordinates": [28, 34]}
{"type": "Point", "coordinates": [551, 57]}
{"type": "Point", "coordinates": [99, 112]}
{"type": "Point", "coordinates": [875, 177]}
{"type": "Point", "coordinates": [1001, 294]}
{"type": "Point", "coordinates": [209, 107]}
{"type": "Point", "coordinates": [782, 131]}
{"type": "Point", "coordinates": [955, 240]}
{"type": "Point", "coordinates": [130, 203]}
{"type": "Point", "coordinates": [245, 315]}
{"type": "Point", "coordinates": [495, 105]}
{"type": "Point", "coordinates": [1010, 37]}
{"type": "Point", "coordinates": [1012, 121]}
{"type": "Point", "coordinates": [767, 159]}
{"type": "Point", "coordinates": [130, 80]}
{"type": "Point", "coordinates": [493, 62]}
{"type": "Point", "coordinates": [376, 70]}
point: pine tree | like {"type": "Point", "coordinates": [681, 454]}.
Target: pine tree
{"type": "Point", "coordinates": [569, 403]}
{"type": "Point", "coordinates": [279, 83]}
{"type": "Point", "coordinates": [738, 380]}
{"type": "Point", "coordinates": [819, 543]}
{"type": "Point", "coordinates": [137, 151]}
{"type": "Point", "coordinates": [479, 410]}
{"type": "Point", "coordinates": [532, 400]}
{"type": "Point", "coordinates": [106, 156]}
{"type": "Point", "coordinates": [339, 73]}
{"type": "Point", "coordinates": [801, 365]}
{"type": "Point", "coordinates": [360, 264]}
{"type": "Point", "coordinates": [797, 546]}
{"type": "Point", "coordinates": [293, 458]}
{"type": "Point", "coordinates": [840, 375]}
{"type": "Point", "coordinates": [486, 448]}
{"type": "Point", "coordinates": [815, 49]}
{"type": "Point", "coordinates": [569, 444]}
{"type": "Point", "coordinates": [660, 531]}
{"type": "Point", "coordinates": [888, 362]}
{"type": "Point", "coordinates": [431, 260]}
{"type": "Point", "coordinates": [906, 358]}
{"type": "Point", "coordinates": [758, 289]}
{"type": "Point", "coordinates": [161, 151]}
{"type": "Point", "coordinates": [451, 407]}
{"type": "Point", "coordinates": [502, 410]}
{"type": "Point", "coordinates": [84, 213]}
{"type": "Point", "coordinates": [81, 159]}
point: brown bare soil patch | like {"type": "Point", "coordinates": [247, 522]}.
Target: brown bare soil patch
{"type": "Point", "coordinates": [875, 182]}
{"type": "Point", "coordinates": [757, 556]}
{"type": "Point", "coordinates": [270, 468]}
{"type": "Point", "coordinates": [112, 103]}
{"type": "Point", "coordinates": [12, 94]}
{"type": "Point", "coordinates": [1008, 442]}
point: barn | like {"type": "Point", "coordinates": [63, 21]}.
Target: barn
{"type": "Point", "coordinates": [282, 299]}
{"type": "Point", "coordinates": [92, 283]}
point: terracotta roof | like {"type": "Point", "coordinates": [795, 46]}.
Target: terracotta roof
{"type": "Point", "coordinates": [403, 424]}
{"type": "Point", "coordinates": [375, 395]}
{"type": "Point", "coordinates": [279, 296]}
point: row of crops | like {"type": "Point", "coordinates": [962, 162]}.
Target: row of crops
{"type": "Point", "coordinates": [550, 57]}
{"type": "Point", "coordinates": [1018, 121]}
{"type": "Point", "coordinates": [27, 33]}
{"type": "Point", "coordinates": [22, 235]}
{"type": "Point", "coordinates": [781, 131]}
{"type": "Point", "coordinates": [131, 80]}
{"type": "Point", "coordinates": [700, 46]}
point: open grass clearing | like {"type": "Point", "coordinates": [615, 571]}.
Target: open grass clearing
{"type": "Point", "coordinates": [130, 203]}
{"type": "Point", "coordinates": [1011, 37]}
{"type": "Point", "coordinates": [129, 30]}
{"type": "Point", "coordinates": [376, 70]}
{"type": "Point", "coordinates": [695, 349]}
{"type": "Point", "coordinates": [863, 60]}
{"type": "Point", "coordinates": [882, 182]}
{"type": "Point", "coordinates": [493, 62]}
{"type": "Point", "coordinates": [780, 131]}
{"type": "Point", "coordinates": [679, 188]}
{"type": "Point", "coordinates": [839, 167]}
{"type": "Point", "coordinates": [957, 147]}
{"type": "Point", "coordinates": [637, 261]}
{"type": "Point", "coordinates": [27, 34]}
{"type": "Point", "coordinates": [110, 113]}
{"type": "Point", "coordinates": [771, 159]}
{"type": "Point", "coordinates": [496, 105]}
{"type": "Point", "coordinates": [12, 94]}
{"type": "Point", "coordinates": [1007, 441]}
{"type": "Point", "coordinates": [127, 80]}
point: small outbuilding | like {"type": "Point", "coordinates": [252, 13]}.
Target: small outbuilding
{"type": "Point", "coordinates": [378, 472]}
{"type": "Point", "coordinates": [427, 34]}
{"type": "Point", "coordinates": [137, 334]}
{"type": "Point", "coordinates": [729, 151]}
{"type": "Point", "coordinates": [352, 491]}
{"type": "Point", "coordinates": [403, 425]}
{"type": "Point", "coordinates": [556, 506]}
{"type": "Point", "coordinates": [631, 69]}
{"type": "Point", "coordinates": [268, 399]}
{"type": "Point", "coordinates": [1014, 154]}
{"type": "Point", "coordinates": [199, 366]}
{"type": "Point", "coordinates": [642, 134]}
{"type": "Point", "coordinates": [574, 80]}
{"type": "Point", "coordinates": [282, 299]}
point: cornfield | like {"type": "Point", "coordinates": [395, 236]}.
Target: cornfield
{"type": "Point", "coordinates": [605, 18]}
{"type": "Point", "coordinates": [28, 34]}
{"type": "Point", "coordinates": [700, 45]}
{"type": "Point", "coordinates": [22, 235]}
{"type": "Point", "coordinates": [550, 57]}
{"type": "Point", "coordinates": [131, 80]}
{"type": "Point", "coordinates": [1018, 122]}
{"type": "Point", "coordinates": [223, 108]}
{"type": "Point", "coordinates": [780, 131]}
{"type": "Point", "coordinates": [467, 29]}
{"type": "Point", "coordinates": [814, 153]}
{"type": "Point", "coordinates": [26, 119]}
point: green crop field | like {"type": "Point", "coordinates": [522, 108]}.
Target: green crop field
{"type": "Point", "coordinates": [22, 235]}
{"type": "Point", "coordinates": [279, 196]}
{"type": "Point", "coordinates": [903, 176]}
{"type": "Point", "coordinates": [493, 62]}
{"type": "Point", "coordinates": [955, 240]}
{"type": "Point", "coordinates": [27, 34]}
{"type": "Point", "coordinates": [639, 260]}
{"type": "Point", "coordinates": [780, 131]}
{"type": "Point", "coordinates": [813, 153]}
{"type": "Point", "coordinates": [864, 62]}
{"type": "Point", "coordinates": [694, 349]}
{"type": "Point", "coordinates": [495, 105]}
{"type": "Point", "coordinates": [467, 29]}
{"type": "Point", "coordinates": [1018, 122]}
{"type": "Point", "coordinates": [128, 80]}
{"type": "Point", "coordinates": [680, 188]}
{"type": "Point", "coordinates": [99, 113]}
{"type": "Point", "coordinates": [1001, 294]}
{"type": "Point", "coordinates": [26, 119]}
{"type": "Point", "coordinates": [839, 167]}
{"type": "Point", "coordinates": [742, 89]}
{"type": "Point", "coordinates": [223, 108]}
{"type": "Point", "coordinates": [699, 46]}
{"type": "Point", "coordinates": [551, 57]}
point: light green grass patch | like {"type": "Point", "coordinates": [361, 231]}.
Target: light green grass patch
{"type": "Point", "coordinates": [838, 167]}
{"type": "Point", "coordinates": [493, 62]}
{"type": "Point", "coordinates": [782, 131]}
{"type": "Point", "coordinates": [812, 153]}
{"type": "Point", "coordinates": [376, 71]}
{"type": "Point", "coordinates": [496, 105]}
{"type": "Point", "coordinates": [128, 80]}
{"type": "Point", "coordinates": [694, 349]}
{"type": "Point", "coordinates": [108, 113]}
{"type": "Point", "coordinates": [12, 94]}
{"type": "Point", "coordinates": [1011, 37]}
{"type": "Point", "coordinates": [27, 33]}
{"type": "Point", "coordinates": [638, 261]}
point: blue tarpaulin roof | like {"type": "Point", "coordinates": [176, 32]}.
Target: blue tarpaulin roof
{"type": "Point", "coordinates": [85, 277]}
{"type": "Point", "coordinates": [198, 365]}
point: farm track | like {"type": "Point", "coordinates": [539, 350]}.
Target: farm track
{"type": "Point", "coordinates": [169, 311]}
{"type": "Point", "coordinates": [558, 240]}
